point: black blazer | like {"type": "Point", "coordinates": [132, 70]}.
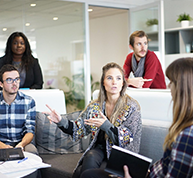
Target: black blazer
{"type": "Point", "coordinates": [34, 78]}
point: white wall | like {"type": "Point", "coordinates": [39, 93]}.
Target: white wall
{"type": "Point", "coordinates": [54, 44]}
{"type": "Point", "coordinates": [55, 50]}
{"type": "Point", "coordinates": [174, 8]}
{"type": "Point", "coordinates": [108, 42]}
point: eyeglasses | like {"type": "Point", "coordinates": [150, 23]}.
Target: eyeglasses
{"type": "Point", "coordinates": [10, 80]}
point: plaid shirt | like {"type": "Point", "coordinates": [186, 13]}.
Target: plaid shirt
{"type": "Point", "coordinates": [16, 119]}
{"type": "Point", "coordinates": [177, 162]}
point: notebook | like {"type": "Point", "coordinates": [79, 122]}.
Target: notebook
{"type": "Point", "coordinates": [9, 154]}
{"type": "Point", "coordinates": [138, 164]}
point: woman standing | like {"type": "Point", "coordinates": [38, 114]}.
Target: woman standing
{"type": "Point", "coordinates": [19, 54]}
{"type": "Point", "coordinates": [114, 118]}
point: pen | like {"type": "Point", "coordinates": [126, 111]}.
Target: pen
{"type": "Point", "coordinates": [147, 80]}
{"type": "Point", "coordinates": [22, 160]}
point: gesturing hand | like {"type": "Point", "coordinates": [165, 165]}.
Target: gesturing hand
{"type": "Point", "coordinates": [53, 116]}
{"type": "Point", "coordinates": [96, 121]}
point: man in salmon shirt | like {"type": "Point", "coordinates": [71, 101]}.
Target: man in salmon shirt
{"type": "Point", "coordinates": [144, 64]}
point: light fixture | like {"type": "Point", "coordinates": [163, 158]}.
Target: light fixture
{"type": "Point", "coordinates": [4, 29]}
{"type": "Point", "coordinates": [55, 18]}
{"type": "Point", "coordinates": [32, 5]}
{"type": "Point", "coordinates": [90, 10]}
{"type": "Point", "coordinates": [27, 24]}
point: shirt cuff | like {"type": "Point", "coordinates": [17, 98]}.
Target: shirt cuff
{"type": "Point", "coordinates": [63, 122]}
{"type": "Point", "coordinates": [106, 125]}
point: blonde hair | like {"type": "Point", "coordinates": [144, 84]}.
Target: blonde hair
{"type": "Point", "coordinates": [180, 73]}
{"type": "Point", "coordinates": [102, 93]}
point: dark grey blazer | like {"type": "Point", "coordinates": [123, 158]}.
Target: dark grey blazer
{"type": "Point", "coordinates": [34, 78]}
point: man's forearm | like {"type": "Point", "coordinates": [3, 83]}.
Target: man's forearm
{"type": "Point", "coordinates": [26, 139]}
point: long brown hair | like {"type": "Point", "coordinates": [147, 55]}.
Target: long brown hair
{"type": "Point", "coordinates": [102, 93]}
{"type": "Point", "coordinates": [180, 73]}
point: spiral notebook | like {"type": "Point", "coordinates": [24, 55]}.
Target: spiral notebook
{"type": "Point", "coordinates": [138, 164]}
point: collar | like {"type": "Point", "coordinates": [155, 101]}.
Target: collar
{"type": "Point", "coordinates": [18, 97]}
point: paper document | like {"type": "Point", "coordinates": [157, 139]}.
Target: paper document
{"type": "Point", "coordinates": [15, 166]}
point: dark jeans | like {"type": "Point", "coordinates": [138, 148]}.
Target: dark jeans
{"type": "Point", "coordinates": [92, 160]}
{"type": "Point", "coordinates": [95, 173]}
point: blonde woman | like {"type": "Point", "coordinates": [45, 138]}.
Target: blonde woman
{"type": "Point", "coordinates": [177, 161]}
{"type": "Point", "coordinates": [114, 118]}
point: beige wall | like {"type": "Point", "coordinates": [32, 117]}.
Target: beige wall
{"type": "Point", "coordinates": [108, 42]}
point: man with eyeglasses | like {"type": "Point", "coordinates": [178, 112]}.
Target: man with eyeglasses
{"type": "Point", "coordinates": [17, 112]}
{"type": "Point", "coordinates": [143, 64]}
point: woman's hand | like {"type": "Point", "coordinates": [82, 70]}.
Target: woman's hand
{"type": "Point", "coordinates": [53, 116]}
{"type": "Point", "coordinates": [126, 172]}
{"type": "Point", "coordinates": [97, 122]}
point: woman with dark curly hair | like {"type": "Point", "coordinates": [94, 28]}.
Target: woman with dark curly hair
{"type": "Point", "coordinates": [19, 54]}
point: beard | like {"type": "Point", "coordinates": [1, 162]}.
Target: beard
{"type": "Point", "coordinates": [139, 54]}
{"type": "Point", "coordinates": [11, 91]}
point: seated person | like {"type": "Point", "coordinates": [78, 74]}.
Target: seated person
{"type": "Point", "coordinates": [19, 54]}
{"type": "Point", "coordinates": [17, 112]}
{"type": "Point", "coordinates": [143, 63]}
{"type": "Point", "coordinates": [177, 161]}
{"type": "Point", "coordinates": [113, 118]}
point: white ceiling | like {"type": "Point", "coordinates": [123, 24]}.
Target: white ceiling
{"type": "Point", "coordinates": [15, 13]}
{"type": "Point", "coordinates": [119, 3]}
